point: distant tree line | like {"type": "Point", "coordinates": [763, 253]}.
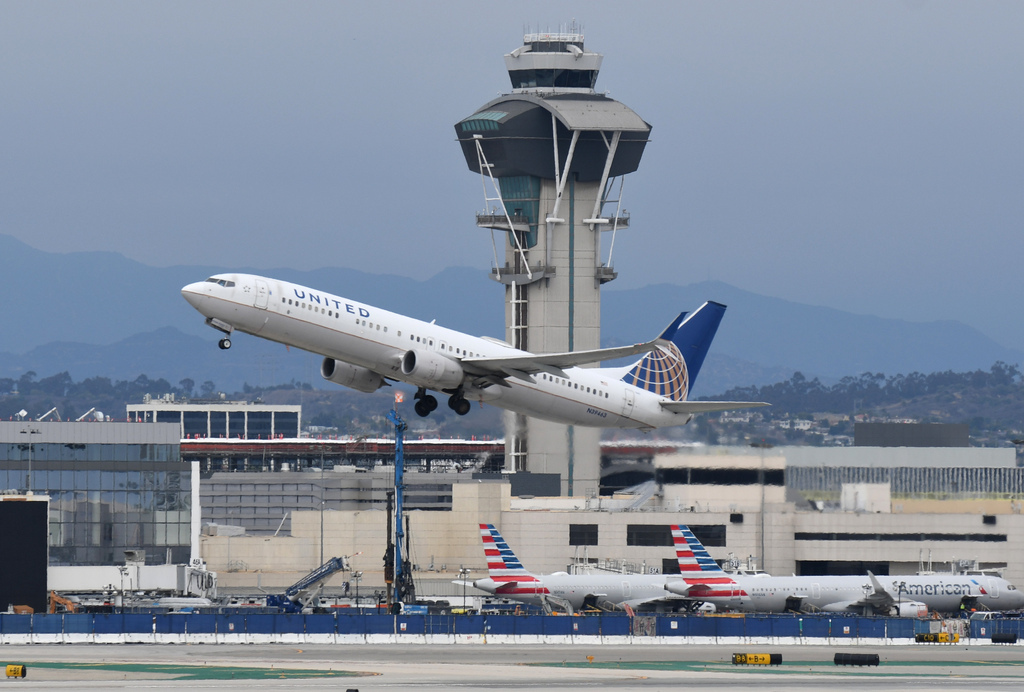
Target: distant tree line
{"type": "Point", "coordinates": [1002, 384]}
{"type": "Point", "coordinates": [111, 396]}
{"type": "Point", "coordinates": [62, 386]}
{"type": "Point", "coordinates": [872, 390]}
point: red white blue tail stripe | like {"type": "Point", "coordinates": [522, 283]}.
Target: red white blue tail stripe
{"type": "Point", "coordinates": [691, 553]}
{"type": "Point", "coordinates": [504, 567]}
{"type": "Point", "coordinates": [699, 569]}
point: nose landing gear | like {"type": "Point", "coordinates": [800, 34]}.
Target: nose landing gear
{"type": "Point", "coordinates": [224, 343]}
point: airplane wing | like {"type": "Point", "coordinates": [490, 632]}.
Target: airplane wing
{"type": "Point", "coordinates": [879, 599]}
{"type": "Point", "coordinates": [523, 367]}
{"type": "Point", "coordinates": [705, 406]}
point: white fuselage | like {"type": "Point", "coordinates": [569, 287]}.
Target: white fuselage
{"type": "Point", "coordinates": [617, 589]}
{"type": "Point", "coordinates": [375, 339]}
{"type": "Point", "coordinates": [941, 592]}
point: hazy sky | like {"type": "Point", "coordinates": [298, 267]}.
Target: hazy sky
{"type": "Point", "coordinates": [867, 156]}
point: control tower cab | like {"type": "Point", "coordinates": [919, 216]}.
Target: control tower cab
{"type": "Point", "coordinates": [553, 155]}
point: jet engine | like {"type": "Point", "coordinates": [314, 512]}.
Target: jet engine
{"type": "Point", "coordinates": [678, 587]}
{"type": "Point", "coordinates": [353, 376]}
{"type": "Point", "coordinates": [430, 370]}
{"type": "Point", "coordinates": [910, 609]}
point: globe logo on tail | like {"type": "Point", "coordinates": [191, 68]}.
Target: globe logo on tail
{"type": "Point", "coordinates": [662, 371]}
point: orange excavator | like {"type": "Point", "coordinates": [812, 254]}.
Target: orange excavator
{"type": "Point", "coordinates": [59, 604]}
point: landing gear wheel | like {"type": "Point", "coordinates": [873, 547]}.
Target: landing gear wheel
{"type": "Point", "coordinates": [422, 410]}
{"type": "Point", "coordinates": [459, 404]}
{"type": "Point", "coordinates": [224, 343]}
{"type": "Point", "coordinates": [430, 402]}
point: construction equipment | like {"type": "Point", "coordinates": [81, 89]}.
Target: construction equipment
{"type": "Point", "coordinates": [397, 566]}
{"type": "Point", "coordinates": [305, 593]}
{"type": "Point", "coordinates": [60, 604]}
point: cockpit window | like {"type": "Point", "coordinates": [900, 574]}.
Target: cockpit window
{"type": "Point", "coordinates": [220, 282]}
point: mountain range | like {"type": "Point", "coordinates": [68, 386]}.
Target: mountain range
{"type": "Point", "coordinates": [102, 314]}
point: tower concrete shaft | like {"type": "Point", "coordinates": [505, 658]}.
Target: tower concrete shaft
{"type": "Point", "coordinates": [552, 155]}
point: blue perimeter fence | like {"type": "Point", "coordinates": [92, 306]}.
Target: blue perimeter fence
{"type": "Point", "coordinates": [363, 624]}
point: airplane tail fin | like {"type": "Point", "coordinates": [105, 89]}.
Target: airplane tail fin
{"type": "Point", "coordinates": [671, 370]}
{"type": "Point", "coordinates": [502, 563]}
{"type": "Point", "coordinates": [691, 553]}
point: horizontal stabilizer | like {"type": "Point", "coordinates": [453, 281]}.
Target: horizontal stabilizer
{"type": "Point", "coordinates": [705, 406]}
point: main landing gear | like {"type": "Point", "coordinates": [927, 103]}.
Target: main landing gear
{"type": "Point", "coordinates": [425, 403]}
{"type": "Point", "coordinates": [458, 403]}
{"type": "Point", "coordinates": [224, 343]}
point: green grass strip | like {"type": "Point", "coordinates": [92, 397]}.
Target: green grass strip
{"type": "Point", "coordinates": [188, 672]}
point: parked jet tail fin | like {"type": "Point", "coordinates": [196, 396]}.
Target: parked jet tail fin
{"type": "Point", "coordinates": [502, 563]}
{"type": "Point", "coordinates": [691, 553]}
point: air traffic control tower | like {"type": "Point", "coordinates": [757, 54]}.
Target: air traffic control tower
{"type": "Point", "coordinates": [552, 155]}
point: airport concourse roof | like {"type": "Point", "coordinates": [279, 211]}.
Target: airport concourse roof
{"type": "Point", "coordinates": [93, 432]}
{"type": "Point", "coordinates": [582, 111]}
{"type": "Point", "coordinates": [883, 457]}
{"type": "Point", "coordinates": [925, 457]}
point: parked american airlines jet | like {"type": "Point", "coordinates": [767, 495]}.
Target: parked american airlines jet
{"type": "Point", "coordinates": [508, 578]}
{"type": "Point", "coordinates": [364, 347]}
{"type": "Point", "coordinates": [906, 595]}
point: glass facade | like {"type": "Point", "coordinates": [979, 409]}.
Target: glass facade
{"type": "Point", "coordinates": [236, 420]}
{"type": "Point", "coordinates": [106, 498]}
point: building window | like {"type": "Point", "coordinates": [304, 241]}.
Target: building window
{"type": "Point", "coordinates": [648, 535]}
{"type": "Point", "coordinates": [713, 535]}
{"type": "Point", "coordinates": [582, 534]}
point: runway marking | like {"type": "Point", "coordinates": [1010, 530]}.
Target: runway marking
{"type": "Point", "coordinates": [886, 669]}
{"type": "Point", "coordinates": [188, 672]}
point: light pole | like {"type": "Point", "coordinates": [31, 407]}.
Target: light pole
{"type": "Point", "coordinates": [463, 573]}
{"type": "Point", "coordinates": [321, 505]}
{"type": "Point", "coordinates": [356, 577]}
{"type": "Point", "coordinates": [30, 432]}
{"type": "Point", "coordinates": [762, 445]}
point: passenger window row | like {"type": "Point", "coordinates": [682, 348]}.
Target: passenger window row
{"type": "Point", "coordinates": [370, 325]}
{"type": "Point", "coordinates": [574, 385]}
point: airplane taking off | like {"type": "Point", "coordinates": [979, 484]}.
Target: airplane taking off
{"type": "Point", "coordinates": [364, 347]}
{"type": "Point", "coordinates": [904, 595]}
{"type": "Point", "coordinates": [509, 579]}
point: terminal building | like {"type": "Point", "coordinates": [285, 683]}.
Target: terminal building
{"type": "Point", "coordinates": [790, 510]}
{"type": "Point", "coordinates": [113, 487]}
{"type": "Point", "coordinates": [220, 419]}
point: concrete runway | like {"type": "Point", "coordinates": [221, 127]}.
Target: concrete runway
{"type": "Point", "coordinates": [476, 668]}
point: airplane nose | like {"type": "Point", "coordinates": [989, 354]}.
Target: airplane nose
{"type": "Point", "coordinates": [193, 293]}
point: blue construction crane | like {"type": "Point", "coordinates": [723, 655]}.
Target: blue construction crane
{"type": "Point", "coordinates": [305, 592]}
{"type": "Point", "coordinates": [404, 589]}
